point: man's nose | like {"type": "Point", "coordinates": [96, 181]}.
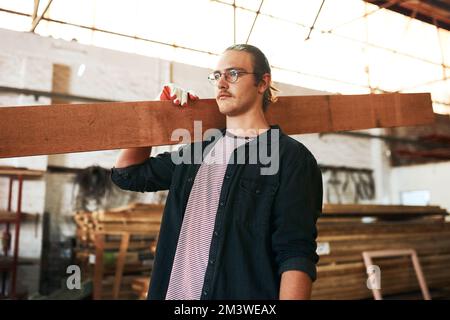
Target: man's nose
{"type": "Point", "coordinates": [222, 83]}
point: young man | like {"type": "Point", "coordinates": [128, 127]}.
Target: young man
{"type": "Point", "coordinates": [229, 231]}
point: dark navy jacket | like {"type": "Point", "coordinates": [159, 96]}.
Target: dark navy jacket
{"type": "Point", "coordinates": [265, 224]}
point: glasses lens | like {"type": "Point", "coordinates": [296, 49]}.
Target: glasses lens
{"type": "Point", "coordinates": [232, 75]}
{"type": "Point", "coordinates": [213, 78]}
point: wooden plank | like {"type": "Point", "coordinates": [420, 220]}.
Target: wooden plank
{"type": "Point", "coordinates": [120, 264]}
{"type": "Point", "coordinates": [138, 206]}
{"type": "Point", "coordinates": [134, 245]}
{"type": "Point", "coordinates": [129, 218]}
{"type": "Point", "coordinates": [98, 268]}
{"type": "Point", "coordinates": [6, 171]}
{"type": "Point", "coordinates": [140, 286]}
{"type": "Point", "coordinates": [148, 228]}
{"type": "Point", "coordinates": [391, 236]}
{"type": "Point", "coordinates": [40, 130]}
{"type": "Point", "coordinates": [380, 210]}
{"type": "Point", "coordinates": [11, 217]}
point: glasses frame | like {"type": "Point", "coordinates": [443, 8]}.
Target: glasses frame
{"type": "Point", "coordinates": [228, 78]}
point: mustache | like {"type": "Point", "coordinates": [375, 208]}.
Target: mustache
{"type": "Point", "coordinates": [223, 93]}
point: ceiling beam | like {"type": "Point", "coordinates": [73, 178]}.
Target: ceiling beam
{"type": "Point", "coordinates": [37, 19]}
{"type": "Point", "coordinates": [314, 23]}
{"type": "Point", "coordinates": [427, 10]}
{"type": "Point", "coordinates": [35, 10]}
{"type": "Point", "coordinates": [254, 21]}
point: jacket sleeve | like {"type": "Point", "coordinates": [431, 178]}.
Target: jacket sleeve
{"type": "Point", "coordinates": [296, 210]}
{"type": "Point", "coordinates": [154, 174]}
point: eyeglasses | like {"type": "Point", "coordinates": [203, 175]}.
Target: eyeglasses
{"type": "Point", "coordinates": [231, 75]}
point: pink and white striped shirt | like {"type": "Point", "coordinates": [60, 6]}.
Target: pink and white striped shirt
{"type": "Point", "coordinates": [191, 256]}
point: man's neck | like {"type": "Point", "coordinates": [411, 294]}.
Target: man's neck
{"type": "Point", "coordinates": [251, 123]}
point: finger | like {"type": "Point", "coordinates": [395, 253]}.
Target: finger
{"type": "Point", "coordinates": [173, 91]}
{"type": "Point", "coordinates": [192, 95]}
{"type": "Point", "coordinates": [175, 99]}
{"type": "Point", "coordinates": [165, 93]}
{"type": "Point", "coordinates": [184, 98]}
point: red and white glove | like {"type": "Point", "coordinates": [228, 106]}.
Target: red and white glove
{"type": "Point", "coordinates": [178, 95]}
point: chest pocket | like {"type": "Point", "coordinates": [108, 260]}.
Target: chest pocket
{"type": "Point", "coordinates": [254, 201]}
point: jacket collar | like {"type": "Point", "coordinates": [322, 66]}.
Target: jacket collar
{"type": "Point", "coordinates": [265, 135]}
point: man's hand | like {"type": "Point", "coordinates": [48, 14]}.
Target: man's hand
{"type": "Point", "coordinates": [178, 95]}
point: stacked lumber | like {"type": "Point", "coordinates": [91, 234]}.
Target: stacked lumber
{"type": "Point", "coordinates": [105, 257]}
{"type": "Point", "coordinates": [345, 231]}
{"type": "Point", "coordinates": [136, 218]}
{"type": "Point", "coordinates": [126, 289]}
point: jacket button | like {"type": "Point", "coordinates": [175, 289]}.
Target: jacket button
{"type": "Point", "coordinates": [211, 261]}
{"type": "Point", "coordinates": [227, 176]}
{"type": "Point", "coordinates": [257, 191]}
{"type": "Point", "coordinates": [205, 293]}
{"type": "Point", "coordinates": [216, 233]}
{"type": "Point", "coordinates": [222, 203]}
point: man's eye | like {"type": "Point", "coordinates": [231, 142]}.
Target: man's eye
{"type": "Point", "coordinates": [217, 75]}
{"type": "Point", "coordinates": [234, 73]}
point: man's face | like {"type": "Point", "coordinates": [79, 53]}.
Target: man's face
{"type": "Point", "coordinates": [237, 98]}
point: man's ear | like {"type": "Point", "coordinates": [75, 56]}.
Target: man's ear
{"type": "Point", "coordinates": [264, 83]}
